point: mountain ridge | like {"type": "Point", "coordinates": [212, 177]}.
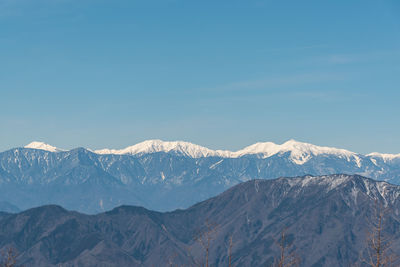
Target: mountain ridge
{"type": "Point", "coordinates": [320, 214]}
{"type": "Point", "coordinates": [83, 180]}
{"type": "Point", "coordinates": [299, 150]}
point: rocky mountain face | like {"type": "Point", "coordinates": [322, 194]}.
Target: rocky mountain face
{"type": "Point", "coordinates": [326, 220]}
{"type": "Point", "coordinates": [165, 175]}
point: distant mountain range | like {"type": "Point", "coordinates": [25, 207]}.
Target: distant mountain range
{"type": "Point", "coordinates": [8, 207]}
{"type": "Point", "coordinates": [165, 175]}
{"type": "Point", "coordinates": [326, 220]}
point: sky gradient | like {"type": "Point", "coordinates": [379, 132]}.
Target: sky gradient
{"type": "Point", "coordinates": [222, 74]}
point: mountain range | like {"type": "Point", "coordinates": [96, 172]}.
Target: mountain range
{"type": "Point", "coordinates": [165, 176]}
{"type": "Point", "coordinates": [325, 218]}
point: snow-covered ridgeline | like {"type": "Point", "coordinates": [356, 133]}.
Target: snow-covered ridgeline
{"type": "Point", "coordinates": [153, 146]}
{"type": "Point", "coordinates": [385, 157]}
{"type": "Point", "coordinates": [299, 152]}
{"type": "Point", "coordinates": [43, 146]}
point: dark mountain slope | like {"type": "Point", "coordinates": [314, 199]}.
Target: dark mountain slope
{"type": "Point", "coordinates": [326, 218]}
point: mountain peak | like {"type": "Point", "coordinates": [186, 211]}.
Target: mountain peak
{"type": "Point", "coordinates": [156, 145]}
{"type": "Point", "coordinates": [300, 152]}
{"type": "Point", "coordinates": [385, 157]}
{"type": "Point", "coordinates": [43, 146]}
{"type": "Point", "coordinates": [372, 188]}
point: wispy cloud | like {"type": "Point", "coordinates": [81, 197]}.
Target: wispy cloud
{"type": "Point", "coordinates": [340, 59]}
{"type": "Point", "coordinates": [276, 82]}
{"type": "Point", "coordinates": [358, 57]}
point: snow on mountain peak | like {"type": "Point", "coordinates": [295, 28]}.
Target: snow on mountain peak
{"type": "Point", "coordinates": [385, 157]}
{"type": "Point", "coordinates": [266, 148]}
{"type": "Point", "coordinates": [300, 152]}
{"type": "Point", "coordinates": [153, 146]}
{"type": "Point", "coordinates": [42, 146]}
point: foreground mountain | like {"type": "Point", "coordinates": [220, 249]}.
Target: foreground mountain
{"type": "Point", "coordinates": [326, 221]}
{"type": "Point", "coordinates": [165, 175]}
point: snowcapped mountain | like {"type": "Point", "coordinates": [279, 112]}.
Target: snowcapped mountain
{"type": "Point", "coordinates": [300, 152]}
{"type": "Point", "coordinates": [43, 146]}
{"type": "Point", "coordinates": [154, 146]}
{"type": "Point", "coordinates": [166, 175]}
{"type": "Point", "coordinates": [384, 157]}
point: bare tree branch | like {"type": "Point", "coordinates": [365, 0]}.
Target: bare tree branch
{"type": "Point", "coordinates": [285, 258]}
{"type": "Point", "coordinates": [378, 245]}
{"type": "Point", "coordinates": [9, 258]}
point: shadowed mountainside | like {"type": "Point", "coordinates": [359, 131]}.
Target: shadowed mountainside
{"type": "Point", "coordinates": [326, 220]}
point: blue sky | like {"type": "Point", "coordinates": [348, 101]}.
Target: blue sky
{"type": "Point", "coordinates": [223, 74]}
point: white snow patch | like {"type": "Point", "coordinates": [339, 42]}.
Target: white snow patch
{"type": "Point", "coordinates": [216, 164]}
{"type": "Point", "coordinates": [332, 181]}
{"type": "Point", "coordinates": [385, 157]}
{"type": "Point", "coordinates": [354, 194]}
{"type": "Point", "coordinates": [358, 160]}
{"type": "Point", "coordinates": [374, 161]}
{"type": "Point", "coordinates": [43, 146]}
